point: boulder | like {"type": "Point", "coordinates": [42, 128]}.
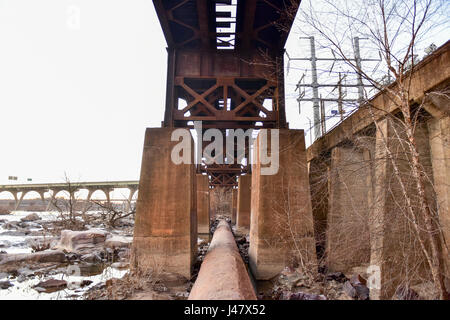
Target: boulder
{"type": "Point", "coordinates": [5, 244]}
{"type": "Point", "coordinates": [357, 280]}
{"type": "Point", "coordinates": [120, 265]}
{"type": "Point", "coordinates": [16, 259]}
{"type": "Point", "coordinates": [5, 285]}
{"type": "Point", "coordinates": [91, 258]}
{"type": "Point", "coordinates": [81, 241]}
{"type": "Point", "coordinates": [336, 276]}
{"type": "Point", "coordinates": [118, 242]}
{"type": "Point", "coordinates": [362, 291]}
{"type": "Point", "coordinates": [349, 290]}
{"type": "Point", "coordinates": [31, 217]}
{"type": "Point", "coordinates": [51, 285]}
{"type": "Point", "coordinates": [11, 225]}
{"type": "Point", "coordinates": [75, 284]}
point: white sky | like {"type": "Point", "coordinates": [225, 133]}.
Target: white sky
{"type": "Point", "coordinates": [77, 94]}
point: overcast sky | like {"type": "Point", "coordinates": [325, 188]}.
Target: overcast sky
{"type": "Point", "coordinates": [80, 80]}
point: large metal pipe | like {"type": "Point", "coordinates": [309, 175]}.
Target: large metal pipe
{"type": "Point", "coordinates": [223, 275]}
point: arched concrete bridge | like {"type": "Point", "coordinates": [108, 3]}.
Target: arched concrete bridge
{"type": "Point", "coordinates": [20, 190]}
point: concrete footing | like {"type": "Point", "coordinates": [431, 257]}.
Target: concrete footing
{"type": "Point", "coordinates": [244, 197]}
{"type": "Point", "coordinates": [223, 275]}
{"type": "Point", "coordinates": [165, 234]}
{"type": "Point", "coordinates": [281, 231]}
{"type": "Point", "coordinates": [203, 205]}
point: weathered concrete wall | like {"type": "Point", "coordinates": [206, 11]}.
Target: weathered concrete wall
{"type": "Point", "coordinates": [348, 241]}
{"type": "Point", "coordinates": [234, 200]}
{"type": "Point", "coordinates": [221, 201]}
{"type": "Point", "coordinates": [244, 197]}
{"type": "Point", "coordinates": [165, 234]}
{"type": "Point", "coordinates": [373, 180]}
{"type": "Point", "coordinates": [439, 136]}
{"type": "Point", "coordinates": [223, 275]}
{"type": "Point", "coordinates": [281, 231]}
{"type": "Point", "coordinates": [395, 249]}
{"type": "Point", "coordinates": [203, 204]}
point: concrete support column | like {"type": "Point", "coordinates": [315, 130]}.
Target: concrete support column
{"type": "Point", "coordinates": [439, 136]}
{"type": "Point", "coordinates": [396, 257]}
{"type": "Point", "coordinates": [203, 205]}
{"type": "Point", "coordinates": [130, 199]}
{"type": "Point", "coordinates": [165, 234]}
{"type": "Point", "coordinates": [281, 227]}
{"type": "Point", "coordinates": [348, 242]}
{"type": "Point", "coordinates": [52, 198]}
{"type": "Point", "coordinates": [244, 197]}
{"type": "Point", "coordinates": [19, 200]}
{"type": "Point", "coordinates": [234, 205]}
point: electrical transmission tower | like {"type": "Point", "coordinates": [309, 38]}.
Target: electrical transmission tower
{"type": "Point", "coordinates": [317, 100]}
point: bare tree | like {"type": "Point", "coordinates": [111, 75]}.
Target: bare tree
{"type": "Point", "coordinates": [72, 211]}
{"type": "Point", "coordinates": [113, 213]}
{"type": "Point", "coordinates": [394, 28]}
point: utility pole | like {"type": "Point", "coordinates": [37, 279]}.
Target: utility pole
{"type": "Point", "coordinates": [322, 117]}
{"type": "Point", "coordinates": [315, 87]}
{"type": "Point", "coordinates": [319, 116]}
{"type": "Point", "coordinates": [340, 96]}
{"type": "Point", "coordinates": [359, 70]}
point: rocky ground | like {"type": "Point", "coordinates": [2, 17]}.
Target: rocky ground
{"type": "Point", "coordinates": [38, 260]}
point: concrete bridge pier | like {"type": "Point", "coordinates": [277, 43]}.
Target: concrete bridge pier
{"type": "Point", "coordinates": [165, 234]}
{"type": "Point", "coordinates": [348, 241]}
{"type": "Point", "coordinates": [234, 203]}
{"type": "Point", "coordinates": [18, 199]}
{"type": "Point", "coordinates": [42, 195]}
{"type": "Point", "coordinates": [439, 136]}
{"type": "Point", "coordinates": [203, 205]}
{"type": "Point", "coordinates": [130, 199]}
{"type": "Point", "coordinates": [52, 198]}
{"type": "Point", "coordinates": [281, 226]}
{"type": "Point", "coordinates": [243, 202]}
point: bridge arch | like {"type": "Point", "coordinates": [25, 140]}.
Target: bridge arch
{"type": "Point", "coordinates": [10, 192]}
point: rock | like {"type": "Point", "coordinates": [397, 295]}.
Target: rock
{"type": "Point", "coordinates": [336, 276]}
{"type": "Point", "coordinates": [29, 225]}
{"type": "Point", "coordinates": [21, 278]}
{"type": "Point", "coordinates": [357, 280]}
{"type": "Point", "coordinates": [349, 290]}
{"type": "Point", "coordinates": [25, 272]}
{"type": "Point", "coordinates": [75, 284]}
{"type": "Point", "coordinates": [81, 241]}
{"type": "Point", "coordinates": [362, 292]}
{"type": "Point", "coordinates": [8, 260]}
{"type": "Point", "coordinates": [11, 225]}
{"type": "Point", "coordinates": [303, 296]}
{"type": "Point", "coordinates": [5, 244]}
{"type": "Point", "coordinates": [118, 242]}
{"type": "Point", "coordinates": [120, 265]}
{"type": "Point", "coordinates": [124, 254]}
{"type": "Point", "coordinates": [406, 293]}
{"type": "Point", "coordinates": [31, 217]}
{"type": "Point", "coordinates": [51, 285]}
{"type": "Point", "coordinates": [72, 257]}
{"type": "Point", "coordinates": [91, 258]}
{"type": "Point", "coordinates": [5, 285]}
{"type": "Point", "coordinates": [20, 233]}
{"type": "Point", "coordinates": [3, 275]}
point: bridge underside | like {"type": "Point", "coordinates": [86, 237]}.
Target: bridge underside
{"type": "Point", "coordinates": [216, 72]}
{"type": "Point", "coordinates": [225, 70]}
